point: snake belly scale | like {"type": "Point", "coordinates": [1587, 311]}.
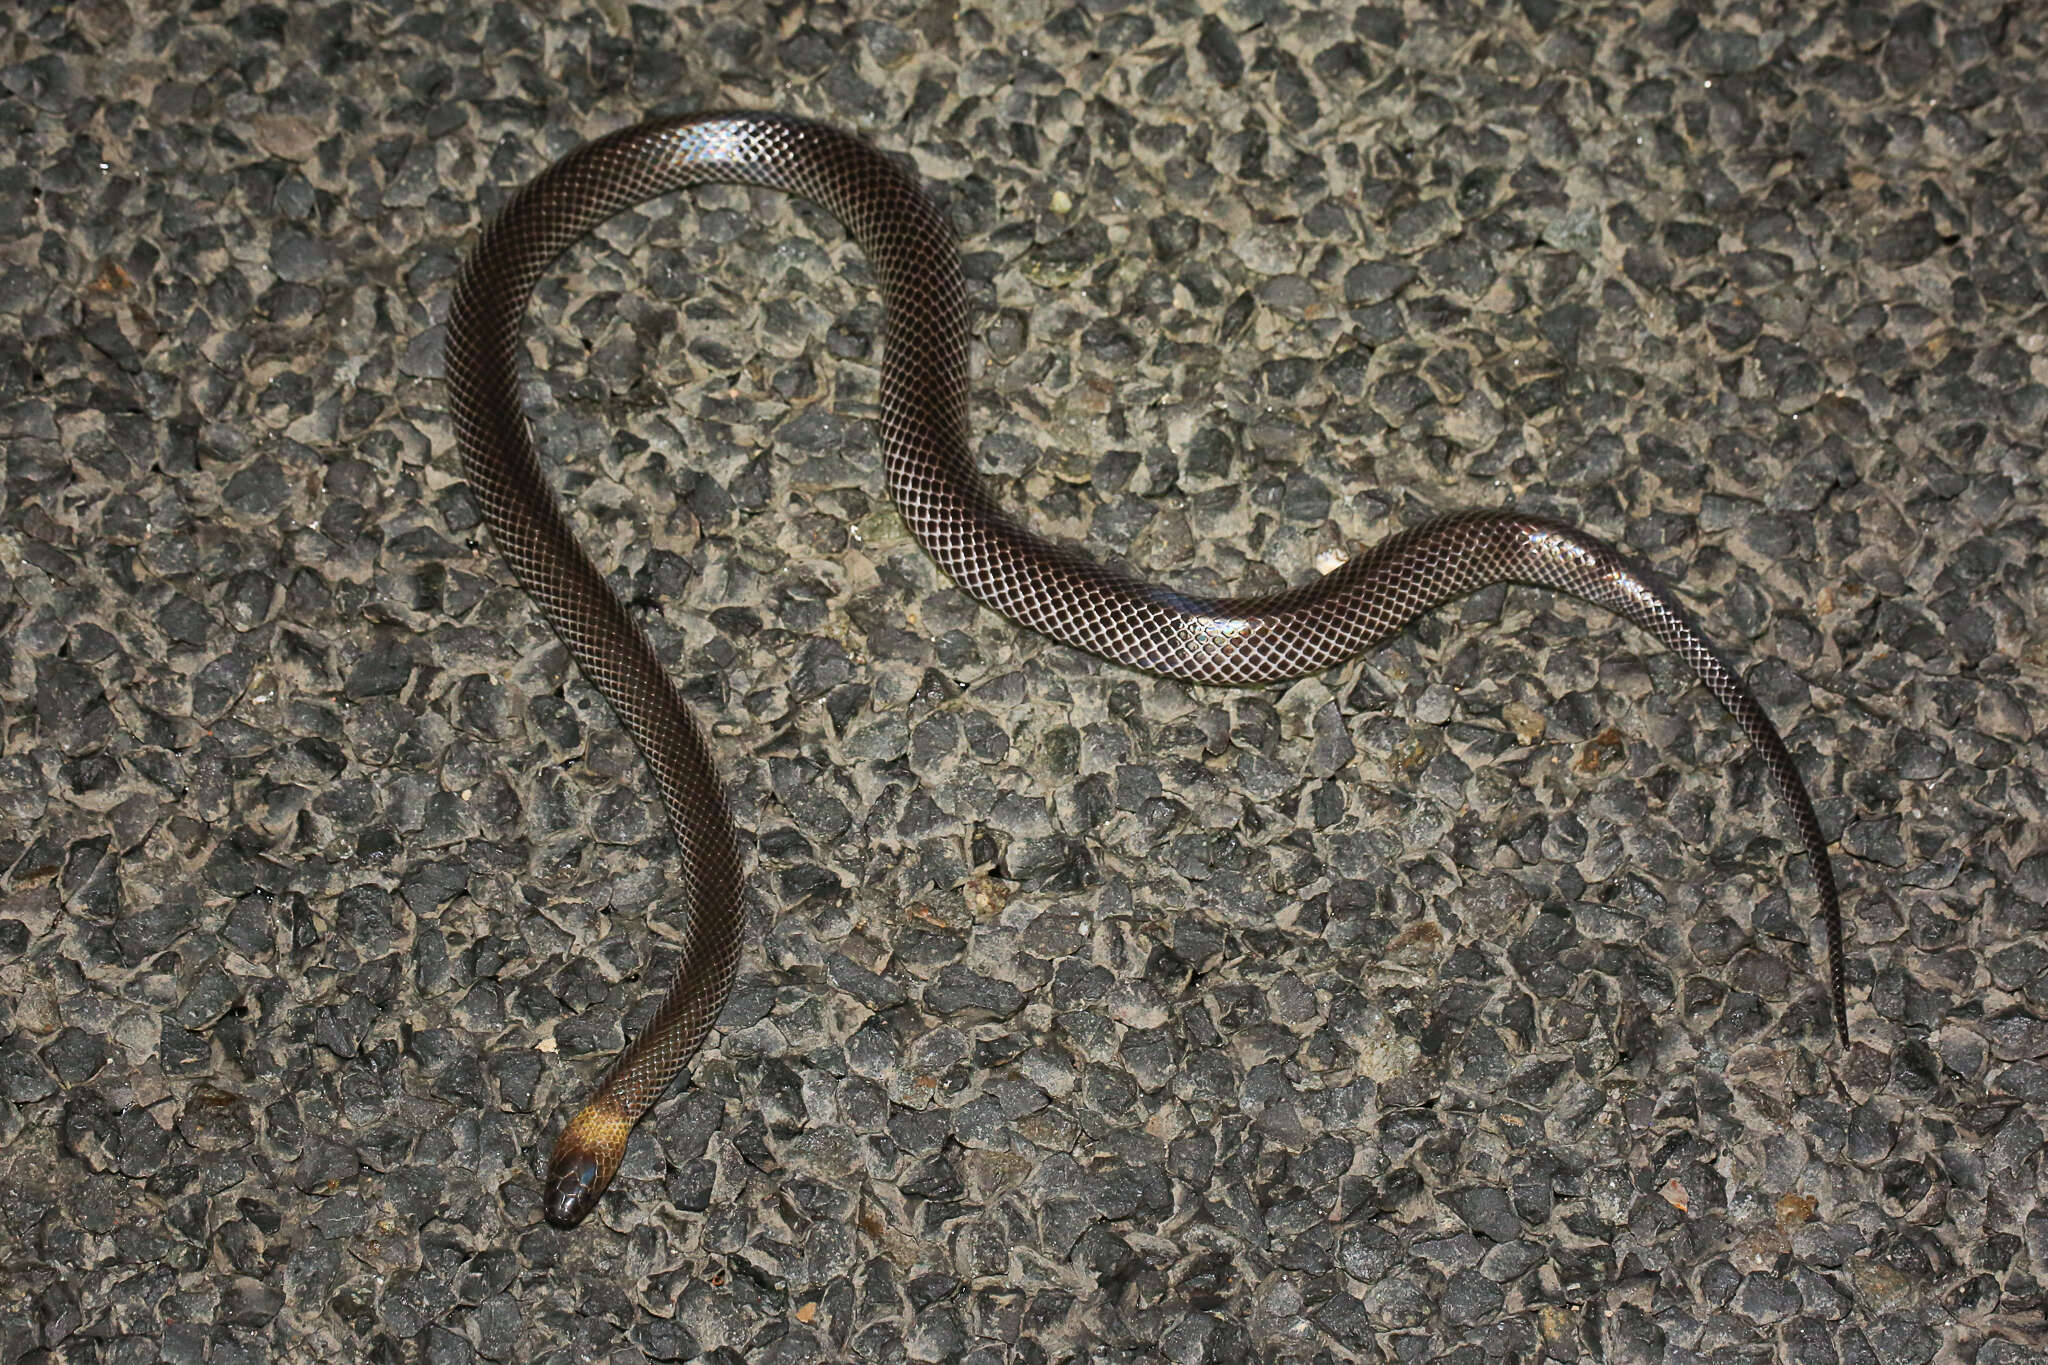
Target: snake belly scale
{"type": "Point", "coordinates": [1054, 589]}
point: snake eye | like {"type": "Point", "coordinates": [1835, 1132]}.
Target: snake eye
{"type": "Point", "coordinates": [572, 1189]}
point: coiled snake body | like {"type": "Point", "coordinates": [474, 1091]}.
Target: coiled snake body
{"type": "Point", "coordinates": [932, 476]}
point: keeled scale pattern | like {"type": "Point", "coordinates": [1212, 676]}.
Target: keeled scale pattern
{"type": "Point", "coordinates": [932, 476]}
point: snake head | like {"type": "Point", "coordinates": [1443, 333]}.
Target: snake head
{"type": "Point", "coordinates": [585, 1158]}
{"type": "Point", "coordinates": [572, 1189]}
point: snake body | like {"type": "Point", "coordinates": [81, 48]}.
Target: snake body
{"type": "Point", "coordinates": [932, 476]}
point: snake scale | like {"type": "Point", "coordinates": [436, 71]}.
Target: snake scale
{"type": "Point", "coordinates": [1051, 588]}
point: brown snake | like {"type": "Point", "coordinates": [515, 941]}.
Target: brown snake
{"type": "Point", "coordinates": [1051, 588]}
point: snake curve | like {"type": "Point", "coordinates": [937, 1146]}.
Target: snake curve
{"type": "Point", "coordinates": [923, 425]}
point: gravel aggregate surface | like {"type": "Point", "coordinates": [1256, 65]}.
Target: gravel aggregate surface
{"type": "Point", "coordinates": [1463, 1002]}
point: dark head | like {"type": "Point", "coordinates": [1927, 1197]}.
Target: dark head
{"type": "Point", "coordinates": [574, 1184]}
{"type": "Point", "coordinates": [585, 1158]}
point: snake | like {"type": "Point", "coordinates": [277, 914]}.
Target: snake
{"type": "Point", "coordinates": [1050, 587]}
